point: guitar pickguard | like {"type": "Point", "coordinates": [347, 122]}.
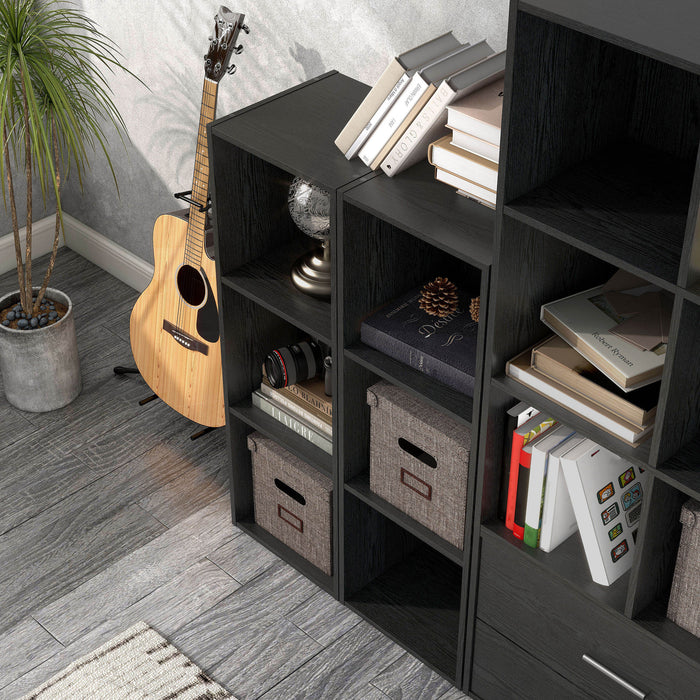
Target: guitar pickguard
{"type": "Point", "coordinates": [208, 315]}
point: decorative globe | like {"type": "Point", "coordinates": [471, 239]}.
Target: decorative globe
{"type": "Point", "coordinates": [310, 208]}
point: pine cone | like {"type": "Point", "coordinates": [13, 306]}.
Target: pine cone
{"type": "Point", "coordinates": [439, 297]}
{"type": "Point", "coordinates": [474, 308]}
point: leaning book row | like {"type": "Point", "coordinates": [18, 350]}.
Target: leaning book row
{"type": "Point", "coordinates": [561, 482]}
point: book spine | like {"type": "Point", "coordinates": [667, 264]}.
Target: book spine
{"type": "Point", "coordinates": [311, 398]}
{"type": "Point", "coordinates": [521, 495]}
{"type": "Point", "coordinates": [535, 499]}
{"type": "Point", "coordinates": [412, 146]}
{"type": "Point", "coordinates": [378, 115]}
{"type": "Point", "coordinates": [296, 410]}
{"type": "Point", "coordinates": [293, 423]}
{"type": "Point", "coordinates": [392, 119]}
{"type": "Point", "coordinates": [428, 364]}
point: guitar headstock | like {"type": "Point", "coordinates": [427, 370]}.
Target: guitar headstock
{"type": "Point", "coordinates": [227, 25]}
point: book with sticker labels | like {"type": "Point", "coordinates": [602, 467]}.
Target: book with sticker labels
{"type": "Point", "coordinates": [606, 493]}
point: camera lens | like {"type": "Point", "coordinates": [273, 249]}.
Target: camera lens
{"type": "Point", "coordinates": [293, 363]}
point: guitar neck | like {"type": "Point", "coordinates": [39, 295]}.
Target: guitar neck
{"type": "Point", "coordinates": [200, 177]}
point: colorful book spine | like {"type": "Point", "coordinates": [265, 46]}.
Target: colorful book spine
{"type": "Point", "coordinates": [292, 422]}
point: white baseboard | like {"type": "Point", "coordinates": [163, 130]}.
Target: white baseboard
{"type": "Point", "coordinates": [42, 242]}
{"type": "Point", "coordinates": [107, 254]}
{"type": "Point", "coordinates": [85, 241]}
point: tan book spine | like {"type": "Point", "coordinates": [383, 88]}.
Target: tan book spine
{"type": "Point", "coordinates": [325, 405]}
{"type": "Point", "coordinates": [294, 402]}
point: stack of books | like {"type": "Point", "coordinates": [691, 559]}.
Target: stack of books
{"type": "Point", "coordinates": [406, 108]}
{"type": "Point", "coordinates": [606, 360]}
{"type": "Point", "coordinates": [561, 482]}
{"type": "Point", "coordinates": [303, 408]}
{"type": "Point", "coordinates": [468, 158]}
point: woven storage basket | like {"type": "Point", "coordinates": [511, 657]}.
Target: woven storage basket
{"type": "Point", "coordinates": [684, 603]}
{"type": "Point", "coordinates": [292, 501]}
{"type": "Point", "coordinates": [418, 460]}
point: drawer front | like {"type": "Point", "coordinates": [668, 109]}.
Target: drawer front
{"type": "Point", "coordinates": [501, 670]}
{"type": "Point", "coordinates": [555, 623]}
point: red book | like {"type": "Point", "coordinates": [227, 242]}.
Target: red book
{"type": "Point", "coordinates": [521, 436]}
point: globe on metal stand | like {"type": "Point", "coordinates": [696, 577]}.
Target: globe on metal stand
{"type": "Point", "coordinates": [309, 207]}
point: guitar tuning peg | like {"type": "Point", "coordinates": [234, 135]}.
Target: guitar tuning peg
{"type": "Point", "coordinates": [238, 49]}
{"type": "Point", "coordinates": [231, 69]}
{"type": "Point", "coordinates": [245, 29]}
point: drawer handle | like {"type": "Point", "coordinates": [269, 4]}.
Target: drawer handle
{"type": "Point", "coordinates": [613, 676]}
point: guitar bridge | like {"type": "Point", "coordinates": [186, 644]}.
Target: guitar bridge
{"type": "Point", "coordinates": [185, 339]}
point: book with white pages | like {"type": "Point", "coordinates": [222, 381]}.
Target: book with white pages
{"type": "Point", "coordinates": [394, 78]}
{"type": "Point", "coordinates": [479, 113]}
{"type": "Point", "coordinates": [538, 478]}
{"type": "Point", "coordinates": [467, 187]}
{"type": "Point", "coordinates": [475, 145]}
{"type": "Point", "coordinates": [422, 86]}
{"type": "Point", "coordinates": [442, 154]}
{"type": "Point", "coordinates": [606, 492]}
{"type": "Point", "coordinates": [429, 123]}
{"type": "Point", "coordinates": [558, 517]}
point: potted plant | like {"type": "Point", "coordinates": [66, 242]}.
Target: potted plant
{"type": "Point", "coordinates": [54, 106]}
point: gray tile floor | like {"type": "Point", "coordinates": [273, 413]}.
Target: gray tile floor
{"type": "Point", "coordinates": [111, 515]}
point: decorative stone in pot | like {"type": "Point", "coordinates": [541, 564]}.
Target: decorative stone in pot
{"type": "Point", "coordinates": [40, 367]}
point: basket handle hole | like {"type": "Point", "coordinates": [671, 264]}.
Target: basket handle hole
{"type": "Point", "coordinates": [285, 488]}
{"type": "Point", "coordinates": [419, 454]}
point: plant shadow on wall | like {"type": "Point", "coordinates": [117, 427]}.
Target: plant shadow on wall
{"type": "Point", "coordinates": [54, 103]}
{"type": "Point", "coordinates": [309, 60]}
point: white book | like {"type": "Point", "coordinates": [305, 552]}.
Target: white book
{"type": "Point", "coordinates": [558, 518]}
{"type": "Point", "coordinates": [606, 492]}
{"type": "Point", "coordinates": [471, 167]}
{"type": "Point", "coordinates": [584, 321]}
{"type": "Point", "coordinates": [422, 86]}
{"type": "Point", "coordinates": [474, 145]}
{"type": "Point", "coordinates": [405, 64]}
{"type": "Point", "coordinates": [479, 113]}
{"type": "Point", "coordinates": [538, 476]}
{"type": "Point", "coordinates": [470, 189]}
{"type": "Point", "coordinates": [429, 123]}
{"type": "Point", "coordinates": [519, 368]}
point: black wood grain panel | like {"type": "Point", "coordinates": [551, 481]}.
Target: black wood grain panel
{"type": "Point", "coordinates": [296, 132]}
{"type": "Point", "coordinates": [657, 541]}
{"type": "Point", "coordinates": [503, 671]}
{"type": "Point", "coordinates": [682, 471]}
{"type": "Point", "coordinates": [680, 392]}
{"type": "Point", "coordinates": [416, 202]}
{"type": "Point", "coordinates": [417, 602]}
{"type": "Point", "coordinates": [649, 26]}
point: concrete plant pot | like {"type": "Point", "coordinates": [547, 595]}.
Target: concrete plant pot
{"type": "Point", "coordinates": [40, 368]}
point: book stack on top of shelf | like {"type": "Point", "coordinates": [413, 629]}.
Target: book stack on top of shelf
{"type": "Point", "coordinates": [303, 408]}
{"type": "Point", "coordinates": [468, 159]}
{"type": "Point", "coordinates": [405, 109]}
{"type": "Point", "coordinates": [606, 360]}
{"type": "Point", "coordinates": [561, 482]}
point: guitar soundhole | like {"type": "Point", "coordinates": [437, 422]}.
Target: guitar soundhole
{"type": "Point", "coordinates": [191, 285]}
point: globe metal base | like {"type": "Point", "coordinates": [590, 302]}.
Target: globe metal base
{"type": "Point", "coordinates": [311, 273]}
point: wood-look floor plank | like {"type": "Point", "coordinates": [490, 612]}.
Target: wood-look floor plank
{"type": "Point", "coordinates": [240, 619]}
{"type": "Point", "coordinates": [166, 609]}
{"type": "Point", "coordinates": [266, 660]}
{"type": "Point", "coordinates": [323, 618]}
{"type": "Point", "coordinates": [341, 670]}
{"type": "Point", "coordinates": [243, 558]}
{"type": "Point", "coordinates": [407, 679]}
{"type": "Point", "coordinates": [37, 472]}
{"type": "Point", "coordinates": [454, 694]}
{"type": "Point", "coordinates": [15, 426]}
{"type": "Point", "coordinates": [22, 647]}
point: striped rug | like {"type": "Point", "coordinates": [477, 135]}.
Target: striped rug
{"type": "Point", "coordinates": [138, 663]}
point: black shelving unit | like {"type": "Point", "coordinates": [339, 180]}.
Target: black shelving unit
{"type": "Point", "coordinates": [598, 171]}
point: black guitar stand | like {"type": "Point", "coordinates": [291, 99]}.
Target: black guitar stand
{"type": "Point", "coordinates": [132, 370]}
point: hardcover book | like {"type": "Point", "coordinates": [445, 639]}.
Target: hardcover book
{"type": "Point", "coordinates": [606, 493]}
{"type": "Point", "coordinates": [590, 322]}
{"type": "Point", "coordinates": [479, 113]}
{"type": "Point", "coordinates": [292, 422]}
{"type": "Point", "coordinates": [467, 188]}
{"type": "Point", "coordinates": [442, 348]}
{"type": "Point", "coordinates": [556, 359]}
{"type": "Point", "coordinates": [442, 154]}
{"type": "Point", "coordinates": [297, 407]}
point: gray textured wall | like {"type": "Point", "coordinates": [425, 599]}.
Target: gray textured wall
{"type": "Point", "coordinates": [163, 43]}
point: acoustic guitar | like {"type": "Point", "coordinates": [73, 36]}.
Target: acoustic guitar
{"type": "Point", "coordinates": [174, 327]}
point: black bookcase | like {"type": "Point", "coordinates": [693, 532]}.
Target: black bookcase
{"type": "Point", "coordinates": [598, 171]}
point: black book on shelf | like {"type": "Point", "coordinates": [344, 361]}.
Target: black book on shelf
{"type": "Point", "coordinates": [442, 348]}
